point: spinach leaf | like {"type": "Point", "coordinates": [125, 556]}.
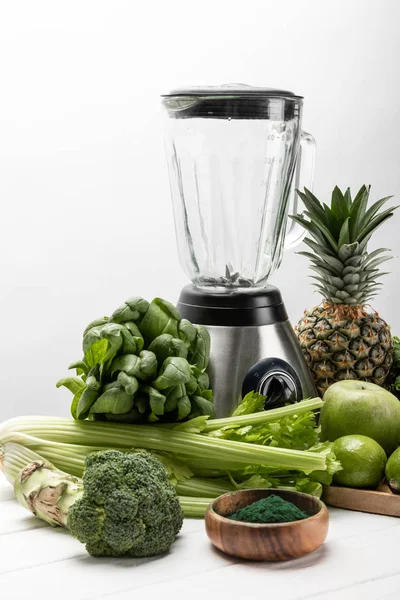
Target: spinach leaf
{"type": "Point", "coordinates": [101, 343]}
{"type": "Point", "coordinates": [109, 386]}
{"type": "Point", "coordinates": [76, 385]}
{"type": "Point", "coordinates": [200, 406]}
{"type": "Point", "coordinates": [200, 354]}
{"type": "Point", "coordinates": [132, 416]}
{"type": "Point", "coordinates": [187, 332]}
{"type": "Point", "coordinates": [128, 383]}
{"type": "Point", "coordinates": [135, 334]}
{"type": "Point", "coordinates": [174, 370]}
{"type": "Point", "coordinates": [75, 402]}
{"type": "Point", "coordinates": [196, 371]}
{"type": "Point", "coordinates": [143, 367]}
{"type": "Point", "coordinates": [204, 381]}
{"type": "Point", "coordinates": [95, 348]}
{"type": "Point", "coordinates": [115, 401]}
{"type": "Point", "coordinates": [96, 324]}
{"type": "Point", "coordinates": [207, 394]}
{"type": "Point", "coordinates": [161, 317]}
{"type": "Point", "coordinates": [129, 363]}
{"type": "Point", "coordinates": [81, 367]}
{"type": "Point", "coordinates": [157, 400]}
{"type": "Point", "coordinates": [73, 384]}
{"type": "Point", "coordinates": [141, 402]}
{"type": "Point", "coordinates": [132, 309]}
{"type": "Point", "coordinates": [184, 408]}
{"type": "Point", "coordinates": [90, 393]}
{"type": "Point", "coordinates": [166, 345]}
{"type": "Point", "coordinates": [147, 366]}
{"type": "Point", "coordinates": [112, 332]}
{"type": "Point", "coordinates": [191, 385]}
{"type": "Point", "coordinates": [172, 396]}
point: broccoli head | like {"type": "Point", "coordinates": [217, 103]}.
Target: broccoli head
{"type": "Point", "coordinates": [128, 508]}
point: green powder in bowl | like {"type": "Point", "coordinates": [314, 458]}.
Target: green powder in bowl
{"type": "Point", "coordinates": [272, 509]}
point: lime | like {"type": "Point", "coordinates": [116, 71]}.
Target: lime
{"type": "Point", "coordinates": [363, 461]}
{"type": "Point", "coordinates": [392, 471]}
{"type": "Point", "coordinates": [364, 408]}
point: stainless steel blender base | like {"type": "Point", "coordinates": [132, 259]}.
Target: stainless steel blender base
{"type": "Point", "coordinates": [253, 346]}
{"type": "Point", "coordinates": [235, 350]}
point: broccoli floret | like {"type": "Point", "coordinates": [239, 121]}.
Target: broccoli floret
{"type": "Point", "coordinates": [128, 508]}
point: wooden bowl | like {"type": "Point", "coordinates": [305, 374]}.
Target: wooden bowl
{"type": "Point", "coordinates": [266, 541]}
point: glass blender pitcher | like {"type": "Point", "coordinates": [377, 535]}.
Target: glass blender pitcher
{"type": "Point", "coordinates": [232, 155]}
{"type": "Point", "coordinates": [235, 156]}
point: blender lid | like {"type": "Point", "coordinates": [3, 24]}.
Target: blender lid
{"type": "Point", "coordinates": [230, 89]}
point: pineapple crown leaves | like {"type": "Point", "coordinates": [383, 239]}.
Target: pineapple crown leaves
{"type": "Point", "coordinates": [345, 272]}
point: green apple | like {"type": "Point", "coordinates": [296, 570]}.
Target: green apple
{"type": "Point", "coordinates": [363, 408]}
{"type": "Point", "coordinates": [393, 471]}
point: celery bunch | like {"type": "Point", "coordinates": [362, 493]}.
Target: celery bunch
{"type": "Point", "coordinates": [203, 457]}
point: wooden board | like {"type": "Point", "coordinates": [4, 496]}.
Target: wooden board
{"type": "Point", "coordinates": [381, 501]}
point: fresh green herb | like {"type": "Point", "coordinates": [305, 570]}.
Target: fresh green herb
{"type": "Point", "coordinates": [143, 364]}
{"type": "Point", "coordinates": [253, 402]}
{"type": "Point", "coordinates": [297, 431]}
{"type": "Point", "coordinates": [272, 509]}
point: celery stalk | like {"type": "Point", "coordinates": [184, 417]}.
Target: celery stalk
{"type": "Point", "coordinates": [151, 437]}
{"type": "Point", "coordinates": [265, 416]}
{"type": "Point", "coordinates": [194, 508]}
{"type": "Point", "coordinates": [196, 486]}
{"type": "Point", "coordinates": [15, 457]}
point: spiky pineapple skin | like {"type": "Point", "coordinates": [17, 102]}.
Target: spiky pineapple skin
{"type": "Point", "coordinates": [339, 347]}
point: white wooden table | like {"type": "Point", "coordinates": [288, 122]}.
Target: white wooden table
{"type": "Point", "coordinates": [359, 560]}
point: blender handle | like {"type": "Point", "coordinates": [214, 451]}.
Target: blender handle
{"type": "Point", "coordinates": [303, 177]}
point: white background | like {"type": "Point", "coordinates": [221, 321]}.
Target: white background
{"type": "Point", "coordinates": [86, 219]}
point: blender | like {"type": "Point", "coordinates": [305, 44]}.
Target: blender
{"type": "Point", "coordinates": [235, 155]}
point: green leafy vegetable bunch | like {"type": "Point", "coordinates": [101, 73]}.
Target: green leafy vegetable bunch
{"type": "Point", "coordinates": [142, 365]}
{"type": "Point", "coordinates": [394, 379]}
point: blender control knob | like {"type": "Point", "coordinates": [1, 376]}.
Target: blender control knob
{"type": "Point", "coordinates": [279, 390]}
{"type": "Point", "coordinates": [275, 379]}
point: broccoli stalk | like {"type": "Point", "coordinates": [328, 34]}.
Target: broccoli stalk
{"type": "Point", "coordinates": [47, 492]}
{"type": "Point", "coordinates": [124, 506]}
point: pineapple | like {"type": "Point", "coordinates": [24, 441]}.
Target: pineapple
{"type": "Point", "coordinates": [342, 338]}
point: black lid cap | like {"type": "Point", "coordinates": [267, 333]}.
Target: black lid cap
{"type": "Point", "coordinates": [233, 308]}
{"type": "Point", "coordinates": [230, 89]}
{"type": "Point", "coordinates": [232, 101]}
